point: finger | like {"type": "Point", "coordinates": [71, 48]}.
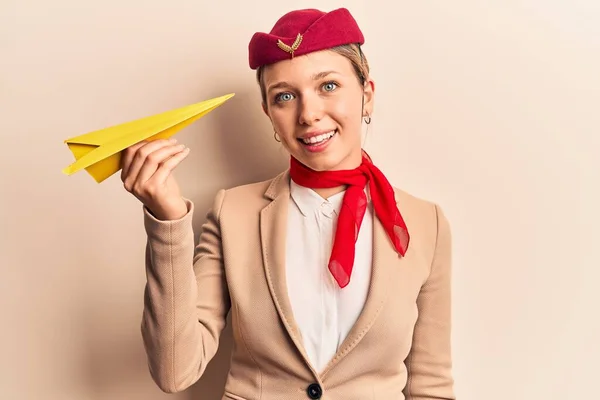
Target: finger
{"type": "Point", "coordinates": [162, 173]}
{"type": "Point", "coordinates": [155, 160]}
{"type": "Point", "coordinates": [127, 157]}
{"type": "Point", "coordinates": [139, 159]}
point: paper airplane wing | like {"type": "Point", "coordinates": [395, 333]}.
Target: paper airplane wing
{"type": "Point", "coordinates": [99, 152]}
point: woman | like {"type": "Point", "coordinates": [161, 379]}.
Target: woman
{"type": "Point", "coordinates": [338, 283]}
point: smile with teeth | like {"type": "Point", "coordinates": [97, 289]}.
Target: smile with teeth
{"type": "Point", "coordinates": [318, 139]}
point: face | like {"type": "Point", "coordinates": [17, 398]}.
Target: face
{"type": "Point", "coordinates": [315, 103]}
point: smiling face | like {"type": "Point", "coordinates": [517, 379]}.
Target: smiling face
{"type": "Point", "coordinates": [316, 105]}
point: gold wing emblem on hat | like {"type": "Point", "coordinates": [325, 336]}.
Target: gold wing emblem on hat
{"type": "Point", "coordinates": [290, 49]}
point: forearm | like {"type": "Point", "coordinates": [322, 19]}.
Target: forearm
{"type": "Point", "coordinates": [179, 341]}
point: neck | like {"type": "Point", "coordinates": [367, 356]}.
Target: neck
{"type": "Point", "coordinates": [303, 175]}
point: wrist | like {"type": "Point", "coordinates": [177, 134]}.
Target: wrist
{"type": "Point", "coordinates": [171, 212]}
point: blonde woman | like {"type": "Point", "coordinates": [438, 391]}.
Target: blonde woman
{"type": "Point", "coordinates": [338, 282]}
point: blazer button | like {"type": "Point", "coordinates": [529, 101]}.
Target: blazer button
{"type": "Point", "coordinates": [314, 391]}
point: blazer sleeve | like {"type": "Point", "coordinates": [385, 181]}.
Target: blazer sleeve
{"type": "Point", "coordinates": [429, 363]}
{"type": "Point", "coordinates": [186, 299]}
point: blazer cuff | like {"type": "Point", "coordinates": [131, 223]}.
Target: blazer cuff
{"type": "Point", "coordinates": [163, 231]}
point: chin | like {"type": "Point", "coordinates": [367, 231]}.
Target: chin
{"type": "Point", "coordinates": [333, 154]}
{"type": "Point", "coordinates": [323, 161]}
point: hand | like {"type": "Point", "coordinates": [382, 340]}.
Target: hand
{"type": "Point", "coordinates": [147, 173]}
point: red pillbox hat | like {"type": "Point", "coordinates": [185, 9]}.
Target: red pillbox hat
{"type": "Point", "coordinates": [301, 32]}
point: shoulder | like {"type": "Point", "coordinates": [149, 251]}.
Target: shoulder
{"type": "Point", "coordinates": [415, 205]}
{"type": "Point", "coordinates": [251, 197]}
{"type": "Point", "coordinates": [425, 218]}
{"type": "Point", "coordinates": [260, 189]}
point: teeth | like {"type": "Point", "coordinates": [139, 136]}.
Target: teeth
{"type": "Point", "coordinates": [319, 139]}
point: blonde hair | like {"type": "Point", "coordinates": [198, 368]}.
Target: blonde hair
{"type": "Point", "coordinates": [352, 52]}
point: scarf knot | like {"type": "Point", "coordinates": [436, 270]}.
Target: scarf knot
{"type": "Point", "coordinates": [353, 209]}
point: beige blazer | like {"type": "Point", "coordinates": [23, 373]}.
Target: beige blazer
{"type": "Point", "coordinates": [398, 349]}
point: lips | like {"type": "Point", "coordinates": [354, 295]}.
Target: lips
{"type": "Point", "coordinates": [317, 139]}
{"type": "Point", "coordinates": [319, 142]}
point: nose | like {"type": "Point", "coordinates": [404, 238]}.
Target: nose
{"type": "Point", "coordinates": [311, 109]}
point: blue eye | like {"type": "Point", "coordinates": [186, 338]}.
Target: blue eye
{"type": "Point", "coordinates": [330, 86]}
{"type": "Point", "coordinates": [284, 97]}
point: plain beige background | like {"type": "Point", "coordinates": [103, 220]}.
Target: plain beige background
{"type": "Point", "coordinates": [489, 108]}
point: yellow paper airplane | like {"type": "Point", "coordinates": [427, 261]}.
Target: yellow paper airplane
{"type": "Point", "coordinates": [99, 152]}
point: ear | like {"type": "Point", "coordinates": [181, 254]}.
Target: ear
{"type": "Point", "coordinates": [369, 96]}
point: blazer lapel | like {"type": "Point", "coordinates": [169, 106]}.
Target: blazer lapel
{"type": "Point", "coordinates": [273, 232]}
{"type": "Point", "coordinates": [384, 265]}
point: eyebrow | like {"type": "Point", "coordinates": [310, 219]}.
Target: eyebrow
{"type": "Point", "coordinates": [315, 77]}
{"type": "Point", "coordinates": [323, 74]}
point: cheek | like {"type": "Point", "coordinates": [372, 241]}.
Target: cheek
{"type": "Point", "coordinates": [347, 114]}
{"type": "Point", "coordinates": [282, 119]}
{"type": "Point", "coordinates": [347, 106]}
{"type": "Point", "coordinates": [284, 123]}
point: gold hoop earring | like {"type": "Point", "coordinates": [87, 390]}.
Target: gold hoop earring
{"type": "Point", "coordinates": [275, 137]}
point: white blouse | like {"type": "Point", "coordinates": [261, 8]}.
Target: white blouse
{"type": "Point", "coordinates": [324, 312]}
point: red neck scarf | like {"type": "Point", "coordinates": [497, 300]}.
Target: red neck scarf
{"type": "Point", "coordinates": [353, 209]}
